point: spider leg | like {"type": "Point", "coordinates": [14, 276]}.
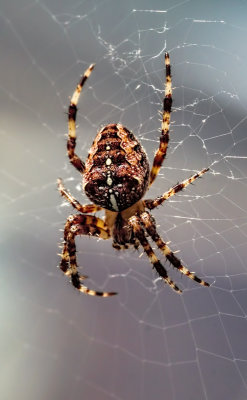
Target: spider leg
{"type": "Point", "coordinates": [91, 224]}
{"type": "Point", "coordinates": [165, 126]}
{"type": "Point", "coordinates": [71, 143]}
{"type": "Point", "coordinates": [150, 204]}
{"type": "Point", "coordinates": [81, 225]}
{"type": "Point", "coordinates": [88, 208]}
{"type": "Point", "coordinates": [135, 222]}
{"type": "Point", "coordinates": [149, 223]}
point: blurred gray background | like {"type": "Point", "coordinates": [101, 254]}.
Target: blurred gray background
{"type": "Point", "coordinates": [147, 342]}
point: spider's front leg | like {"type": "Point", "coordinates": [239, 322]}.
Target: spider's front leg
{"type": "Point", "coordinates": [79, 224]}
{"type": "Point", "coordinates": [71, 143]}
{"type": "Point", "coordinates": [139, 232]}
{"type": "Point", "coordinates": [149, 223]}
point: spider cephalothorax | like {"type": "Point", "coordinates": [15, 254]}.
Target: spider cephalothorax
{"type": "Point", "coordinates": [116, 176]}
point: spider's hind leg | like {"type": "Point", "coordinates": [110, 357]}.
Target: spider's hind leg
{"type": "Point", "coordinates": [165, 126]}
{"type": "Point", "coordinates": [71, 142]}
{"type": "Point", "coordinates": [150, 227]}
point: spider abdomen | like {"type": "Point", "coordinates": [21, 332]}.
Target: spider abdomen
{"type": "Point", "coordinates": [117, 169]}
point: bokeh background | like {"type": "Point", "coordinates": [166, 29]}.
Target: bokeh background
{"type": "Point", "coordinates": [147, 342]}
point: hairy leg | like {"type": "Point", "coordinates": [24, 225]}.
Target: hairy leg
{"type": "Point", "coordinates": [88, 208]}
{"type": "Point", "coordinates": [71, 143]}
{"type": "Point", "coordinates": [135, 222]}
{"type": "Point", "coordinates": [150, 204]}
{"type": "Point", "coordinates": [149, 223]}
{"type": "Point", "coordinates": [81, 225]}
{"type": "Point", "coordinates": [165, 126]}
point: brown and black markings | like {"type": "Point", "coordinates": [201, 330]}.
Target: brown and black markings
{"type": "Point", "coordinates": [116, 177]}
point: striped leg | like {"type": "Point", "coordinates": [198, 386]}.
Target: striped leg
{"type": "Point", "coordinates": [88, 221]}
{"type": "Point", "coordinates": [88, 208]}
{"type": "Point", "coordinates": [150, 204]}
{"type": "Point", "coordinates": [71, 143]}
{"type": "Point", "coordinates": [164, 139]}
{"type": "Point", "coordinates": [135, 222]}
{"type": "Point", "coordinates": [150, 227]}
{"type": "Point", "coordinates": [81, 225]}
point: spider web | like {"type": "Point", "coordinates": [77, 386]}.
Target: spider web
{"type": "Point", "coordinates": [147, 342]}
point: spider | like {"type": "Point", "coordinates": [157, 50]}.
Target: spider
{"type": "Point", "coordinates": [116, 176]}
